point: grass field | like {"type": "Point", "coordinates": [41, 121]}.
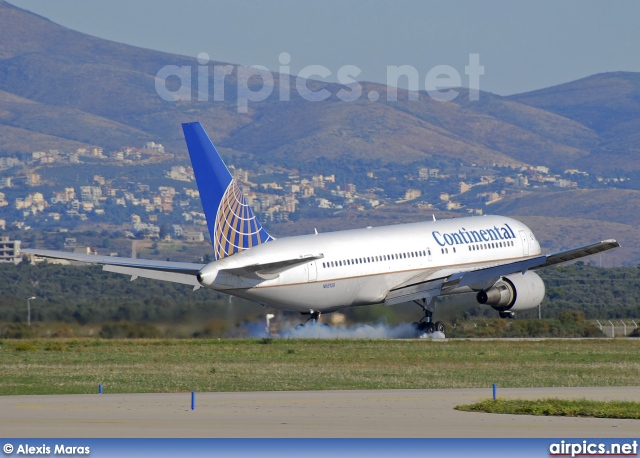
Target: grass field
{"type": "Point", "coordinates": [59, 366]}
{"type": "Point", "coordinates": [558, 407]}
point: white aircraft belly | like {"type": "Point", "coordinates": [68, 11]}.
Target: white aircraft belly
{"type": "Point", "coordinates": [325, 295]}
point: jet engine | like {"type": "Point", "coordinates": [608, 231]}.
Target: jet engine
{"type": "Point", "coordinates": [514, 292]}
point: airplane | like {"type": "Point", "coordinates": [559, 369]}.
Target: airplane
{"type": "Point", "coordinates": [494, 257]}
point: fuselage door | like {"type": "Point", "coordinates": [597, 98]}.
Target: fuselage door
{"type": "Point", "coordinates": [525, 243]}
{"type": "Point", "coordinates": [313, 271]}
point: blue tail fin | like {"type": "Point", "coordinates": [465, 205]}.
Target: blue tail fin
{"type": "Point", "coordinates": [232, 225]}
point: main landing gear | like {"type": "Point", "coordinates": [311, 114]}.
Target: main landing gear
{"type": "Point", "coordinates": [314, 317]}
{"type": "Point", "coordinates": [426, 324]}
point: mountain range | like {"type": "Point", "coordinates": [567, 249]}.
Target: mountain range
{"type": "Point", "coordinates": [64, 88]}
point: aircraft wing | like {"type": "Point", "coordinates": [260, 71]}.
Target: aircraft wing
{"type": "Point", "coordinates": [428, 290]}
{"type": "Point", "coordinates": [484, 277]}
{"type": "Point", "coordinates": [177, 272]}
{"type": "Point", "coordinates": [576, 253]}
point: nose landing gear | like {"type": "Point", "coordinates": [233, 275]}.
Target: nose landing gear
{"type": "Point", "coordinates": [314, 317]}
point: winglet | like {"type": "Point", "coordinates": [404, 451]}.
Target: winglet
{"type": "Point", "coordinates": [233, 227]}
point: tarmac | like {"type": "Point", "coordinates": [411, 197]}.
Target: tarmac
{"type": "Point", "coordinates": [297, 414]}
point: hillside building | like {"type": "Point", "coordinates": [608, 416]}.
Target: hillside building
{"type": "Point", "coordinates": [194, 236]}
{"type": "Point", "coordinates": [33, 179]}
{"type": "Point", "coordinates": [153, 146]}
{"type": "Point", "coordinates": [10, 250]}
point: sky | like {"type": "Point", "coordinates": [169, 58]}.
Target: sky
{"type": "Point", "coordinates": [522, 46]}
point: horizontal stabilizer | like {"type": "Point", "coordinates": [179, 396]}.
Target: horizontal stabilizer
{"type": "Point", "coordinates": [177, 272]}
{"type": "Point", "coordinates": [185, 279]}
{"type": "Point", "coordinates": [271, 270]}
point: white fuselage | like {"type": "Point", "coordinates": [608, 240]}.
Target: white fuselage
{"type": "Point", "coordinates": [360, 266]}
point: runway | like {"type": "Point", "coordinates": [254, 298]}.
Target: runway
{"type": "Point", "coordinates": [378, 413]}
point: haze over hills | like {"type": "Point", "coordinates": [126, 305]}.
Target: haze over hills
{"type": "Point", "coordinates": [62, 89]}
{"type": "Point", "coordinates": [75, 88]}
{"type": "Point", "coordinates": [609, 104]}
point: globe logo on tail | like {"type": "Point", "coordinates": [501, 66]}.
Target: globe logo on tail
{"type": "Point", "coordinates": [236, 227]}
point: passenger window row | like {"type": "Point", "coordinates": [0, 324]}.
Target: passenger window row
{"type": "Point", "coordinates": [490, 246]}
{"type": "Point", "coordinates": [380, 258]}
{"type": "Point", "coordinates": [481, 246]}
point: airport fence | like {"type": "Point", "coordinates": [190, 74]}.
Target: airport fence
{"type": "Point", "coordinates": [618, 328]}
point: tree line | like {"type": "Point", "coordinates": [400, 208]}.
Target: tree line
{"type": "Point", "coordinates": [85, 295]}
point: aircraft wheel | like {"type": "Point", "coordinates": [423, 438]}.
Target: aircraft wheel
{"type": "Point", "coordinates": [299, 325]}
{"type": "Point", "coordinates": [430, 327]}
{"type": "Point", "coordinates": [439, 326]}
